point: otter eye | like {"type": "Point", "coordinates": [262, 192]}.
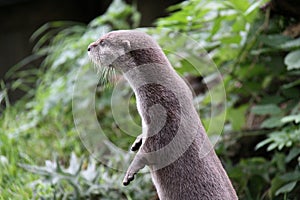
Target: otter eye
{"type": "Point", "coordinates": [102, 43]}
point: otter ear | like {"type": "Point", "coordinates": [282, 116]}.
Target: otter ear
{"type": "Point", "coordinates": [126, 45]}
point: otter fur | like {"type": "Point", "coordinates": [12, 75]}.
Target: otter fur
{"type": "Point", "coordinates": [173, 143]}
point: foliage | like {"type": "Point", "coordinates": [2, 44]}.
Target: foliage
{"type": "Point", "coordinates": [260, 145]}
{"type": "Point", "coordinates": [42, 119]}
{"type": "Point", "coordinates": [84, 180]}
{"type": "Point", "coordinates": [259, 67]}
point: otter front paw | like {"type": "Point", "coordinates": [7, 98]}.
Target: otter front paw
{"type": "Point", "coordinates": [138, 163]}
{"type": "Point", "coordinates": [128, 178]}
{"type": "Point", "coordinates": [137, 143]}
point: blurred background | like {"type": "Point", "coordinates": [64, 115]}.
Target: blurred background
{"type": "Point", "coordinates": [59, 138]}
{"type": "Point", "coordinates": [20, 18]}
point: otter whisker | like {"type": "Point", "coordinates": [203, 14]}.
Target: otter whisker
{"type": "Point", "coordinates": [111, 75]}
{"type": "Point", "coordinates": [114, 76]}
{"type": "Point", "coordinates": [104, 76]}
{"type": "Point", "coordinates": [96, 68]}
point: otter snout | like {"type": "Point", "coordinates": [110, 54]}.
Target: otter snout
{"type": "Point", "coordinates": [92, 45]}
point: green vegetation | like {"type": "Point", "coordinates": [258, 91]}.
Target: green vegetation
{"type": "Point", "coordinates": [260, 142]}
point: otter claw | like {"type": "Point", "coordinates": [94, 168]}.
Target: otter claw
{"type": "Point", "coordinates": [128, 179]}
{"type": "Point", "coordinates": [138, 163]}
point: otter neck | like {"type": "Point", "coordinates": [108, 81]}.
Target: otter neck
{"type": "Point", "coordinates": [149, 73]}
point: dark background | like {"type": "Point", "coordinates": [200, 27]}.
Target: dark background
{"type": "Point", "coordinates": [20, 18]}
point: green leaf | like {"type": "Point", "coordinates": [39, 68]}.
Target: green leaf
{"type": "Point", "coordinates": [272, 99]}
{"type": "Point", "coordinates": [2, 95]}
{"type": "Point", "coordinates": [291, 84]}
{"type": "Point", "coordinates": [291, 44]}
{"type": "Point", "coordinates": [276, 183]}
{"type": "Point", "coordinates": [291, 118]}
{"type": "Point", "coordinates": [294, 152]}
{"type": "Point", "coordinates": [91, 172]}
{"type": "Point", "coordinates": [252, 8]}
{"type": "Point", "coordinates": [271, 109]}
{"type": "Point", "coordinates": [263, 143]}
{"type": "Point", "coordinates": [291, 176]}
{"type": "Point", "coordinates": [239, 25]}
{"type": "Point", "coordinates": [237, 117]}
{"type": "Point", "coordinates": [286, 188]}
{"type": "Point", "coordinates": [241, 5]}
{"type": "Point", "coordinates": [274, 40]}
{"type": "Point", "coordinates": [277, 42]}
{"type": "Point", "coordinates": [75, 165]}
{"type": "Point", "coordinates": [272, 122]}
{"type": "Point", "coordinates": [216, 26]}
{"type": "Point", "coordinates": [292, 60]}
{"type": "Point", "coordinates": [272, 146]}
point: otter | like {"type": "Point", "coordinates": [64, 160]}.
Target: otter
{"type": "Point", "coordinates": [173, 143]}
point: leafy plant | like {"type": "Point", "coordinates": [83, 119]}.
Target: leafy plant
{"type": "Point", "coordinates": [260, 145]}
{"type": "Point", "coordinates": [85, 180]}
{"type": "Point", "coordinates": [260, 71]}
{"type": "Point", "coordinates": [41, 124]}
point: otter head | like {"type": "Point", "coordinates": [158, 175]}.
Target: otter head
{"type": "Point", "coordinates": [123, 50]}
{"type": "Point", "coordinates": [107, 51]}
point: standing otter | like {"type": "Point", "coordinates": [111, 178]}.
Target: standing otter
{"type": "Point", "coordinates": [173, 143]}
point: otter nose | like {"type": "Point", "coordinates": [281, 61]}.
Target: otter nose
{"type": "Point", "coordinates": [91, 46]}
